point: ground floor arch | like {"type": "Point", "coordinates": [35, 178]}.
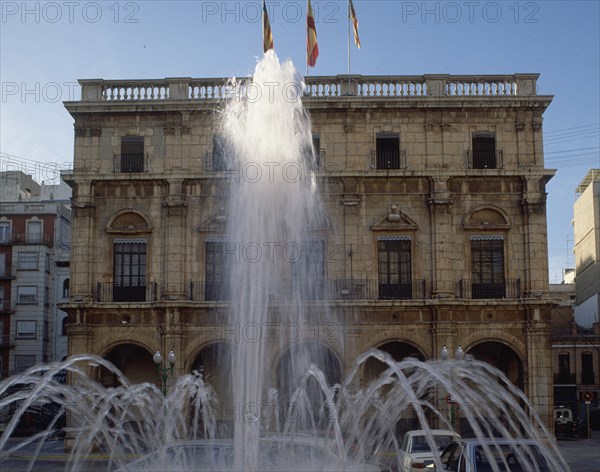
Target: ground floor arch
{"type": "Point", "coordinates": [292, 367]}
{"type": "Point", "coordinates": [134, 361]}
{"type": "Point", "coordinates": [501, 356]}
{"type": "Point", "coordinates": [399, 350]}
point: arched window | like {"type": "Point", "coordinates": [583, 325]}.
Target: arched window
{"type": "Point", "coordinates": [63, 331]}
{"type": "Point", "coordinates": [65, 288]}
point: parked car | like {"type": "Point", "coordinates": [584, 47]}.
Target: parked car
{"type": "Point", "coordinates": [294, 453]}
{"type": "Point", "coordinates": [415, 452]}
{"type": "Point", "coordinates": [516, 455]}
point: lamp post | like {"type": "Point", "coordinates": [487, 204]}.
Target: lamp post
{"type": "Point", "coordinates": [164, 371]}
{"type": "Point", "coordinates": [459, 355]}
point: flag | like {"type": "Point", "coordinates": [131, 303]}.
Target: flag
{"type": "Point", "coordinates": [267, 33]}
{"type": "Point", "coordinates": [354, 24]}
{"type": "Point", "coordinates": [312, 48]}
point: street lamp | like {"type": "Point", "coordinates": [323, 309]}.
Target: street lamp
{"type": "Point", "coordinates": [164, 371]}
{"type": "Point", "coordinates": [459, 355]}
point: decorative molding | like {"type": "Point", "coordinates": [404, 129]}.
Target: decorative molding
{"type": "Point", "coordinates": [95, 132]}
{"type": "Point", "coordinates": [349, 127]}
{"type": "Point", "coordinates": [520, 126]}
{"type": "Point", "coordinates": [169, 130]}
{"type": "Point", "coordinates": [186, 129]}
{"type": "Point", "coordinates": [532, 207]}
{"type": "Point", "coordinates": [440, 205]}
{"type": "Point", "coordinates": [80, 132]}
{"type": "Point", "coordinates": [393, 220]}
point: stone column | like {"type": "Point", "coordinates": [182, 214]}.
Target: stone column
{"type": "Point", "coordinates": [539, 382]}
{"type": "Point", "coordinates": [85, 252]}
{"type": "Point", "coordinates": [535, 241]}
{"type": "Point", "coordinates": [174, 247]}
{"type": "Point", "coordinates": [440, 205]}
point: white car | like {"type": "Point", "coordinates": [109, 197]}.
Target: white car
{"type": "Point", "coordinates": [415, 452]}
{"type": "Point", "coordinates": [504, 455]}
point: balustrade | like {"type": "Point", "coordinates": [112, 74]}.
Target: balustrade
{"type": "Point", "coordinates": [316, 87]}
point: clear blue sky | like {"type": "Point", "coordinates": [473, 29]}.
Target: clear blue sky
{"type": "Point", "coordinates": [47, 46]}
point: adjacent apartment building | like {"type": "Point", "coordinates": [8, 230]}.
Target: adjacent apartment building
{"type": "Point", "coordinates": [435, 226]}
{"type": "Point", "coordinates": [35, 239]}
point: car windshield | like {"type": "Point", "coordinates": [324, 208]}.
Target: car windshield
{"type": "Point", "coordinates": [519, 458]}
{"type": "Point", "coordinates": [420, 443]}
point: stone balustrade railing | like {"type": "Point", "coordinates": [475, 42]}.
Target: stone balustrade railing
{"type": "Point", "coordinates": [429, 85]}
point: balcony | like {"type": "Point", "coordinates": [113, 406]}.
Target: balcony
{"type": "Point", "coordinates": [388, 160]}
{"type": "Point", "coordinates": [24, 238]}
{"type": "Point", "coordinates": [485, 159]}
{"type": "Point", "coordinates": [5, 341]}
{"type": "Point", "coordinates": [7, 273]}
{"type": "Point", "coordinates": [564, 378]}
{"type": "Point", "coordinates": [507, 288]}
{"type": "Point", "coordinates": [330, 289]}
{"type": "Point", "coordinates": [6, 306]}
{"type": "Point", "coordinates": [130, 163]}
{"type": "Point", "coordinates": [108, 292]}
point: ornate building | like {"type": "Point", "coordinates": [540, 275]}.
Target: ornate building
{"type": "Point", "coordinates": [434, 188]}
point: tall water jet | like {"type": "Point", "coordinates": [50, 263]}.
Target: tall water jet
{"type": "Point", "coordinates": [273, 206]}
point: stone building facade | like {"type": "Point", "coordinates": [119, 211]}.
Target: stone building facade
{"type": "Point", "coordinates": [434, 188]}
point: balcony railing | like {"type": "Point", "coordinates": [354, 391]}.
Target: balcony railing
{"type": "Point", "coordinates": [330, 289]}
{"type": "Point", "coordinates": [388, 160]}
{"type": "Point", "coordinates": [507, 288]}
{"type": "Point", "coordinates": [7, 272]}
{"type": "Point", "coordinates": [108, 292]}
{"type": "Point", "coordinates": [564, 379]}
{"type": "Point", "coordinates": [130, 163]}
{"type": "Point", "coordinates": [5, 340]}
{"type": "Point", "coordinates": [430, 85]}
{"type": "Point", "coordinates": [6, 306]}
{"type": "Point", "coordinates": [485, 159]}
{"type": "Point", "coordinates": [24, 238]}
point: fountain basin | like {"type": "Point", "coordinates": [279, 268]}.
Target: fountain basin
{"type": "Point", "coordinates": [278, 452]}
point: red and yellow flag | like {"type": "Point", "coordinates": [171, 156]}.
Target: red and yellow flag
{"type": "Point", "coordinates": [312, 48]}
{"type": "Point", "coordinates": [354, 21]}
{"type": "Point", "coordinates": [267, 33]}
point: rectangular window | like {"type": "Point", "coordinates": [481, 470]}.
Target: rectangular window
{"type": "Point", "coordinates": [484, 150]}
{"type": "Point", "coordinates": [395, 268]}
{"type": "Point", "coordinates": [132, 154]}
{"type": "Point", "coordinates": [308, 270]}
{"type": "Point", "coordinates": [22, 363]}
{"type": "Point", "coordinates": [487, 267]}
{"type": "Point", "coordinates": [26, 329]}
{"type": "Point", "coordinates": [222, 158]}
{"type": "Point", "coordinates": [587, 368]}
{"type": "Point", "coordinates": [564, 369]}
{"type": "Point", "coordinates": [28, 261]}
{"type": "Point", "coordinates": [27, 295]}
{"type": "Point", "coordinates": [218, 255]}
{"type": "Point", "coordinates": [129, 278]}
{"type": "Point", "coordinates": [3, 267]}
{"type": "Point", "coordinates": [316, 162]}
{"type": "Point", "coordinates": [4, 232]}
{"type": "Point", "coordinates": [387, 151]}
{"type": "Point", "coordinates": [2, 301]}
{"type": "Point", "coordinates": [34, 232]}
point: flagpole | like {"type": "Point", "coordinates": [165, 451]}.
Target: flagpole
{"type": "Point", "coordinates": [349, 46]}
{"type": "Point", "coordinates": [306, 53]}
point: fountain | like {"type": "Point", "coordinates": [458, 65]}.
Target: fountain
{"type": "Point", "coordinates": [274, 211]}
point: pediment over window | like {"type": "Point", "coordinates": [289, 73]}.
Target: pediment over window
{"type": "Point", "coordinates": [129, 221]}
{"type": "Point", "coordinates": [216, 223]}
{"type": "Point", "coordinates": [393, 219]}
{"type": "Point", "coordinates": [486, 218]}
